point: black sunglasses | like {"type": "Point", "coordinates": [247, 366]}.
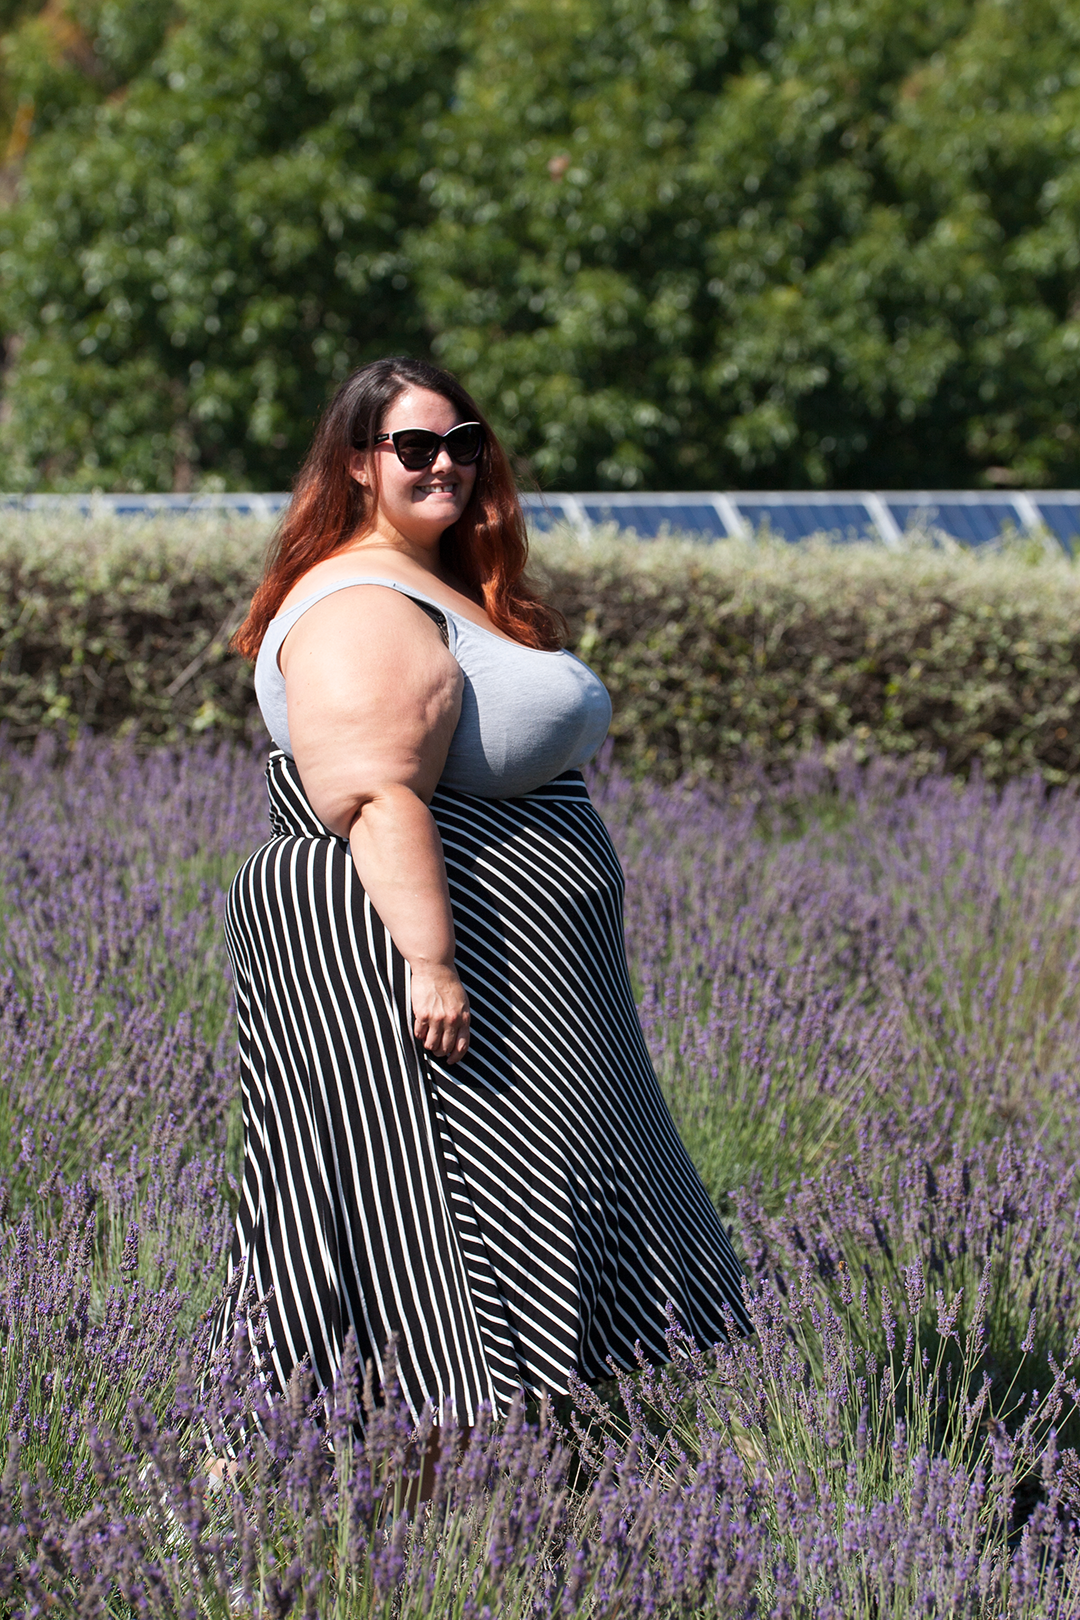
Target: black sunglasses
{"type": "Point", "coordinates": [418, 447]}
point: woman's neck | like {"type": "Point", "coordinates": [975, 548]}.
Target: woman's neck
{"type": "Point", "coordinates": [413, 555]}
{"type": "Point", "coordinates": [420, 555]}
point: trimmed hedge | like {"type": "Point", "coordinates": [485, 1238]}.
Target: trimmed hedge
{"type": "Point", "coordinates": [712, 655]}
{"type": "Point", "coordinates": [767, 651]}
{"type": "Point", "coordinates": [123, 626]}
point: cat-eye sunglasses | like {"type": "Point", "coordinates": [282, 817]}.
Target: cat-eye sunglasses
{"type": "Point", "coordinates": [417, 448]}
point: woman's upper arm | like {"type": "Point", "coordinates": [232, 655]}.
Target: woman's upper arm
{"type": "Point", "coordinates": [373, 697]}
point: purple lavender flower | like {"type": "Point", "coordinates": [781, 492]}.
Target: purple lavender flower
{"type": "Point", "coordinates": [863, 995]}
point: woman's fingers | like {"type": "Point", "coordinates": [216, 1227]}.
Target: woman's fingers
{"type": "Point", "coordinates": [444, 1038]}
{"type": "Point", "coordinates": [441, 1014]}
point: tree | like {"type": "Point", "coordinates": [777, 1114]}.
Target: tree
{"type": "Point", "coordinates": [839, 254]}
{"type": "Point", "coordinates": [195, 260]}
{"type": "Point", "coordinates": [670, 243]}
{"type": "Point", "coordinates": [564, 271]}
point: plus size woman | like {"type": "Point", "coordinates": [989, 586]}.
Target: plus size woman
{"type": "Point", "coordinates": [454, 1138]}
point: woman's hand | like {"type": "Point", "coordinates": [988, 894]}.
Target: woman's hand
{"type": "Point", "coordinates": [440, 1011]}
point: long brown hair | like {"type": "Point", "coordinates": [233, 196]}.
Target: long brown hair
{"type": "Point", "coordinates": [487, 547]}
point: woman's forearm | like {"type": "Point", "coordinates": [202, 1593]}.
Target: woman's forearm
{"type": "Point", "coordinates": [399, 858]}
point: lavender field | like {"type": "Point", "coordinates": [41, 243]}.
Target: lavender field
{"type": "Point", "coordinates": [862, 993]}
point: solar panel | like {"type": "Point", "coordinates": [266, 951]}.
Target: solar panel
{"type": "Point", "coordinates": [250, 505]}
{"type": "Point", "coordinates": [649, 519]}
{"type": "Point", "coordinates": [269, 504]}
{"type": "Point", "coordinates": [976, 523]}
{"type": "Point", "coordinates": [796, 520]}
{"type": "Point", "coordinates": [1061, 518]}
{"type": "Point", "coordinates": [543, 514]}
{"type": "Point", "coordinates": [971, 516]}
{"type": "Point", "coordinates": [152, 505]}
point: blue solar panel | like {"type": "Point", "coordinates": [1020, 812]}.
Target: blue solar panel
{"type": "Point", "coordinates": [648, 519]}
{"type": "Point", "coordinates": [543, 515]}
{"type": "Point", "coordinates": [797, 520]}
{"type": "Point", "coordinates": [975, 523]}
{"type": "Point", "coordinates": [256, 508]}
{"type": "Point", "coordinates": [1063, 519]}
{"type": "Point", "coordinates": [257, 505]}
{"type": "Point", "coordinates": [970, 516]}
{"type": "Point", "coordinates": [242, 505]}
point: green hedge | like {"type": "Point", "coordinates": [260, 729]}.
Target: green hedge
{"type": "Point", "coordinates": [711, 654]}
{"type": "Point", "coordinates": [769, 650]}
{"type": "Point", "coordinates": [123, 626]}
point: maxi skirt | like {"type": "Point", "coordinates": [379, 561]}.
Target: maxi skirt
{"type": "Point", "coordinates": [523, 1215]}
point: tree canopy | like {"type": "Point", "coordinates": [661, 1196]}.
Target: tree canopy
{"type": "Point", "coordinates": [668, 243]}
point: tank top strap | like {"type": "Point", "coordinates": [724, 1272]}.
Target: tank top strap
{"type": "Point", "coordinates": [278, 628]}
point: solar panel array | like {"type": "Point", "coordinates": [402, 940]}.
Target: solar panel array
{"type": "Point", "coordinates": [246, 505]}
{"type": "Point", "coordinates": [974, 517]}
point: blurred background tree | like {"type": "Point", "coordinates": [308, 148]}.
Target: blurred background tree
{"type": "Point", "coordinates": [669, 243]}
{"type": "Point", "coordinates": [209, 230]}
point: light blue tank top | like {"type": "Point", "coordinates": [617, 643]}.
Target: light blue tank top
{"type": "Point", "coordinates": [526, 715]}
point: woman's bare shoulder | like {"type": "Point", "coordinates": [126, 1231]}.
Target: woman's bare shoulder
{"type": "Point", "coordinates": [331, 571]}
{"type": "Point", "coordinates": [366, 625]}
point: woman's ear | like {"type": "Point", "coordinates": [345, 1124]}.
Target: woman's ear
{"type": "Point", "coordinates": [359, 468]}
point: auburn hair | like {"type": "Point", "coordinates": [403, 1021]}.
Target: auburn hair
{"type": "Point", "coordinates": [487, 548]}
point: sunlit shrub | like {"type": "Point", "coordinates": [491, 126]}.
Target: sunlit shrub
{"type": "Point", "coordinates": [712, 654]}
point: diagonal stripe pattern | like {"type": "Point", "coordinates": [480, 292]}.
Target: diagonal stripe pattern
{"type": "Point", "coordinates": [527, 1213]}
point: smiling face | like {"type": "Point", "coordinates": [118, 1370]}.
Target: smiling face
{"type": "Point", "coordinates": [415, 506]}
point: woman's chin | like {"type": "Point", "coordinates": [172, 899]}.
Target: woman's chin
{"type": "Point", "coordinates": [436, 514]}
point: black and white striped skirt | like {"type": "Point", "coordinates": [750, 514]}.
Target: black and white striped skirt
{"type": "Point", "coordinates": [527, 1213]}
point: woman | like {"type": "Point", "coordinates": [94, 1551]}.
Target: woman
{"type": "Point", "coordinates": [454, 1138]}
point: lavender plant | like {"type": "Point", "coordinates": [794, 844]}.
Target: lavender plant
{"type": "Point", "coordinates": [861, 990]}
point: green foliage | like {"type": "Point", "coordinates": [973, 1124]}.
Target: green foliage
{"type": "Point", "coordinates": [129, 631]}
{"type": "Point", "coordinates": [57, 59]}
{"type": "Point", "coordinates": [712, 656]}
{"type": "Point", "coordinates": [847, 256]}
{"type": "Point", "coordinates": [193, 263]}
{"type": "Point", "coordinates": [563, 273]}
{"type": "Point", "coordinates": [669, 244]}
{"type": "Point", "coordinates": [768, 650]}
